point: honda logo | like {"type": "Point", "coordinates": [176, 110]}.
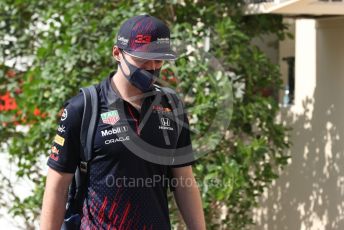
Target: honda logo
{"type": "Point", "coordinates": [165, 121]}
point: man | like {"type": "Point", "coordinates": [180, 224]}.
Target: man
{"type": "Point", "coordinates": [130, 123]}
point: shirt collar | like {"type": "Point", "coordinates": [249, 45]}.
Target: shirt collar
{"type": "Point", "coordinates": [108, 92]}
{"type": "Point", "coordinates": [110, 95]}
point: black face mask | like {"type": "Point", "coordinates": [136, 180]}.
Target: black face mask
{"type": "Point", "coordinates": [140, 78]}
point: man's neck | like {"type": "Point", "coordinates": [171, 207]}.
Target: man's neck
{"type": "Point", "coordinates": [126, 90]}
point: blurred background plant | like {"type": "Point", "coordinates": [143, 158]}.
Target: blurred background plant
{"type": "Point", "coordinates": [49, 49]}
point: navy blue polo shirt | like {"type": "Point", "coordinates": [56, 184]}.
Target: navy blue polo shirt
{"type": "Point", "coordinates": [124, 190]}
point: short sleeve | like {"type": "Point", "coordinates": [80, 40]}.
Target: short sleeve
{"type": "Point", "coordinates": [184, 151]}
{"type": "Point", "coordinates": [65, 150]}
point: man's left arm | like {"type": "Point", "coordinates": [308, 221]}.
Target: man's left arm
{"type": "Point", "coordinates": [188, 198]}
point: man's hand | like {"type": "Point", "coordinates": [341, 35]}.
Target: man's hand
{"type": "Point", "coordinates": [54, 200]}
{"type": "Point", "coordinates": [188, 198]}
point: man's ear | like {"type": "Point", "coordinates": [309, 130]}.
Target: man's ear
{"type": "Point", "coordinates": [116, 53]}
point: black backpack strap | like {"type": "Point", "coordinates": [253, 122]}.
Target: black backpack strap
{"type": "Point", "coordinates": [88, 126]}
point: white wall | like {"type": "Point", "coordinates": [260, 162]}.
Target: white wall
{"type": "Point", "coordinates": [310, 192]}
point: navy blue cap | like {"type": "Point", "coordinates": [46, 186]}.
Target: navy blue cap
{"type": "Point", "coordinates": [146, 37]}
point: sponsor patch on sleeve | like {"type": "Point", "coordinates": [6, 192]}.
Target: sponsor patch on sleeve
{"type": "Point", "coordinates": [64, 115]}
{"type": "Point", "coordinates": [54, 152]}
{"type": "Point", "coordinates": [61, 129]}
{"type": "Point", "coordinates": [59, 140]}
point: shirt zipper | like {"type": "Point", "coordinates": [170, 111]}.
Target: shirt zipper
{"type": "Point", "coordinates": [137, 121]}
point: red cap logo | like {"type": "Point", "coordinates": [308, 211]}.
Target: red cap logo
{"type": "Point", "coordinates": [143, 39]}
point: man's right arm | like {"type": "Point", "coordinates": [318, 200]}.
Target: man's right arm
{"type": "Point", "coordinates": [54, 200]}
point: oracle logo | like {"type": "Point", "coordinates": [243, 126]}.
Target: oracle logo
{"type": "Point", "coordinates": [119, 139]}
